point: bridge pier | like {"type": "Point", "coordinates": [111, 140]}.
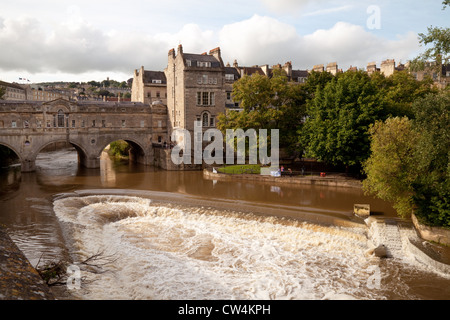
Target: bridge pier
{"type": "Point", "coordinates": [88, 162]}
{"type": "Point", "coordinates": [28, 165]}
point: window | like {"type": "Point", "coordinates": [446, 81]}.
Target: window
{"type": "Point", "coordinates": [13, 124]}
{"type": "Point", "coordinates": [211, 121]}
{"type": "Point", "coordinates": [228, 95]}
{"type": "Point", "coordinates": [93, 123]}
{"type": "Point", "coordinates": [205, 119]}
{"type": "Point", "coordinates": [104, 123]}
{"type": "Point", "coordinates": [73, 123]}
{"type": "Point", "coordinates": [123, 123]}
{"type": "Point", "coordinates": [158, 94]}
{"type": "Point", "coordinates": [60, 119]}
{"type": "Point", "coordinates": [229, 77]}
{"type": "Point", "coordinates": [142, 123]}
{"type": "Point", "coordinates": [82, 124]}
{"type": "Point", "coordinates": [159, 124]}
{"type": "Point", "coordinates": [156, 81]}
{"type": "Point", "coordinates": [204, 64]}
{"type": "Point", "coordinates": [189, 63]}
{"type": "Point", "coordinates": [206, 99]}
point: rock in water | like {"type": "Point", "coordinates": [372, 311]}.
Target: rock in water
{"type": "Point", "coordinates": [381, 251]}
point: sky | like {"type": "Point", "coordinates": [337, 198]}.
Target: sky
{"type": "Point", "coordinates": [64, 40]}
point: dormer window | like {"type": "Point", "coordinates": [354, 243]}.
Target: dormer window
{"type": "Point", "coordinates": [203, 64]}
{"type": "Point", "coordinates": [156, 81]}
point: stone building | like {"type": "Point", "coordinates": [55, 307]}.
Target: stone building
{"type": "Point", "coordinates": [332, 68]}
{"type": "Point", "coordinates": [13, 91]}
{"type": "Point", "coordinates": [387, 67]}
{"type": "Point", "coordinates": [195, 89]}
{"type": "Point", "coordinates": [39, 94]}
{"type": "Point", "coordinates": [149, 86]}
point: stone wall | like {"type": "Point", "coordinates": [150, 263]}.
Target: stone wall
{"type": "Point", "coordinates": [18, 279]}
{"type": "Point", "coordinates": [435, 234]}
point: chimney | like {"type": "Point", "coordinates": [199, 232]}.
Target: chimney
{"type": "Point", "coordinates": [180, 49]}
{"type": "Point", "coordinates": [172, 53]}
{"type": "Point", "coordinates": [216, 53]}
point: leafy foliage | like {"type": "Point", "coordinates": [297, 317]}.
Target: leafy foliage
{"type": "Point", "coordinates": [119, 149]}
{"type": "Point", "coordinates": [339, 116]}
{"type": "Point", "coordinates": [409, 163]}
{"type": "Point", "coordinates": [432, 187]}
{"type": "Point", "coordinates": [268, 103]}
{"type": "Point", "coordinates": [391, 169]}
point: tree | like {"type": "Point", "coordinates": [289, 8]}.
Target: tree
{"type": "Point", "coordinates": [400, 90]}
{"type": "Point", "coordinates": [268, 103]}
{"type": "Point", "coordinates": [391, 170]}
{"type": "Point", "coordinates": [432, 186]}
{"type": "Point", "coordinates": [409, 162]}
{"type": "Point", "coordinates": [339, 116]}
{"type": "Point", "coordinates": [2, 92]}
{"type": "Point", "coordinates": [439, 52]}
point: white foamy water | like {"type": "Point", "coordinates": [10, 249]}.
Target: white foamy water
{"type": "Point", "coordinates": [166, 252]}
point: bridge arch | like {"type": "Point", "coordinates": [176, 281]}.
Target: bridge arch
{"type": "Point", "coordinates": [137, 151]}
{"type": "Point", "coordinates": [81, 152]}
{"type": "Point", "coordinates": [18, 155]}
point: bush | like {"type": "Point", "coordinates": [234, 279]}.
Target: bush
{"type": "Point", "coordinates": [119, 149]}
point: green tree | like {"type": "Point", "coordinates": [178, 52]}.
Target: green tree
{"type": "Point", "coordinates": [409, 163]}
{"type": "Point", "coordinates": [268, 103]}
{"type": "Point", "coordinates": [400, 90]}
{"type": "Point", "coordinates": [2, 92]}
{"type": "Point", "coordinates": [339, 115]}
{"type": "Point", "coordinates": [391, 170]}
{"type": "Point", "coordinates": [438, 40]}
{"type": "Point", "coordinates": [432, 187]}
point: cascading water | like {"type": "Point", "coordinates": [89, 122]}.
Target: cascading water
{"type": "Point", "coordinates": [170, 252]}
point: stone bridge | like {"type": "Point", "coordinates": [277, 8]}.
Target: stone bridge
{"type": "Point", "coordinates": [28, 127]}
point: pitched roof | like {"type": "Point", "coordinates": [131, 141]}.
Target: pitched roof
{"type": "Point", "coordinates": [233, 71]}
{"type": "Point", "coordinates": [253, 70]}
{"type": "Point", "coordinates": [149, 76]}
{"type": "Point", "coordinates": [202, 58]}
{"type": "Point", "coordinates": [299, 74]}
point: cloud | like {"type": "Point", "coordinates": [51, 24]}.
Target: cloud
{"type": "Point", "coordinates": [264, 40]}
{"type": "Point", "coordinates": [77, 47]}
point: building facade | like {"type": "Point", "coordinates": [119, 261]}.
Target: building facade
{"type": "Point", "coordinates": [149, 86]}
{"type": "Point", "coordinates": [196, 89]}
{"type": "Point", "coordinates": [13, 91]}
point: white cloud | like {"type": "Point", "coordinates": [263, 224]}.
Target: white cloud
{"type": "Point", "coordinates": [263, 40]}
{"type": "Point", "coordinates": [77, 47]}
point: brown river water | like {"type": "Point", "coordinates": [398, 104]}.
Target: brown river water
{"type": "Point", "coordinates": [177, 235]}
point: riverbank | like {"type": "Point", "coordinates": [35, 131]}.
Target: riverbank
{"type": "Point", "coordinates": [18, 279]}
{"type": "Point", "coordinates": [331, 180]}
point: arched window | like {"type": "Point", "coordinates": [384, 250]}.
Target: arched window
{"type": "Point", "coordinates": [205, 119]}
{"type": "Point", "coordinates": [60, 118]}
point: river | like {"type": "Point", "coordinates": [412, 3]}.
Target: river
{"type": "Point", "coordinates": [176, 235]}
